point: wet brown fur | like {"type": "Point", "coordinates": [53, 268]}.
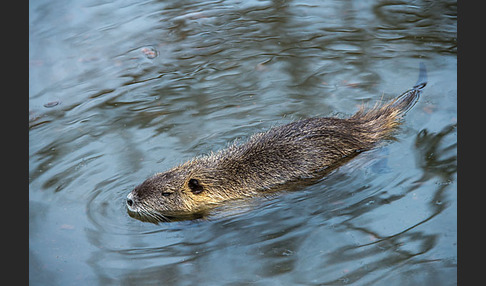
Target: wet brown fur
{"type": "Point", "coordinates": [298, 150]}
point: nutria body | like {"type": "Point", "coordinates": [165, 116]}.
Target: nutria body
{"type": "Point", "coordinates": [295, 151]}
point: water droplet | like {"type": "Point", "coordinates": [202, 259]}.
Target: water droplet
{"type": "Point", "coordinates": [52, 104]}
{"type": "Point", "coordinates": [149, 52]}
{"type": "Point", "coordinates": [288, 252]}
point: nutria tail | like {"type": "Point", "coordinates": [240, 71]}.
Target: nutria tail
{"type": "Point", "coordinates": [382, 119]}
{"type": "Point", "coordinates": [408, 99]}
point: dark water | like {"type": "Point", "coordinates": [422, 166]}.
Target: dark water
{"type": "Point", "coordinates": [120, 90]}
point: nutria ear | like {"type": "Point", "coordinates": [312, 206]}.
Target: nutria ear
{"type": "Point", "coordinates": [195, 187]}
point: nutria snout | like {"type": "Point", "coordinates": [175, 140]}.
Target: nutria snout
{"type": "Point", "coordinates": [283, 154]}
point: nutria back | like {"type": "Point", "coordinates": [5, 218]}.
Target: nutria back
{"type": "Point", "coordinates": [299, 150]}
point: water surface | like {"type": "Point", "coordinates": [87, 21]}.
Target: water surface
{"type": "Point", "coordinates": [120, 90]}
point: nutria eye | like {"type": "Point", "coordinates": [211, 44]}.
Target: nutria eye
{"type": "Point", "coordinates": [166, 194]}
{"type": "Point", "coordinates": [195, 187]}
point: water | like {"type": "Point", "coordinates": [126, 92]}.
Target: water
{"type": "Point", "coordinates": [120, 90]}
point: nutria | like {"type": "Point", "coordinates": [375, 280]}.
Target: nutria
{"type": "Point", "coordinates": [284, 154]}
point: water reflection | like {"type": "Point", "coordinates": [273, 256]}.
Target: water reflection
{"type": "Point", "coordinates": [409, 244]}
{"type": "Point", "coordinates": [435, 159]}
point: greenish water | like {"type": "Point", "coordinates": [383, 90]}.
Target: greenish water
{"type": "Point", "coordinates": [120, 90]}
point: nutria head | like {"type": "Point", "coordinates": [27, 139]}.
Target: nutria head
{"type": "Point", "coordinates": [164, 195]}
{"type": "Point", "coordinates": [184, 191]}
